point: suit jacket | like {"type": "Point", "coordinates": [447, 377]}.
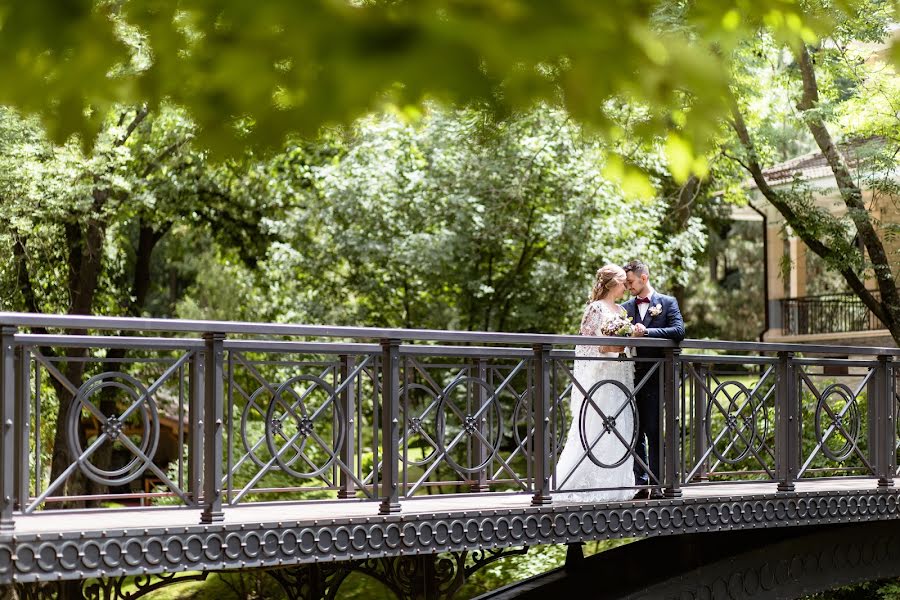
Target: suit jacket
{"type": "Point", "coordinates": [667, 324]}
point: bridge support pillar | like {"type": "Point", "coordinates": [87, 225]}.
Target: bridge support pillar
{"type": "Point", "coordinates": [884, 402]}
{"type": "Point", "coordinates": [214, 403]}
{"type": "Point", "coordinates": [787, 423]}
{"type": "Point", "coordinates": [478, 450]}
{"type": "Point", "coordinates": [7, 429]}
{"type": "Point", "coordinates": [671, 394]}
{"type": "Point", "coordinates": [197, 377]}
{"type": "Point", "coordinates": [390, 427]}
{"type": "Point", "coordinates": [542, 450]}
{"type": "Point", "coordinates": [23, 427]}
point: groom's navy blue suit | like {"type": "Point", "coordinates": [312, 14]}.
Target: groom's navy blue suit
{"type": "Point", "coordinates": [667, 324]}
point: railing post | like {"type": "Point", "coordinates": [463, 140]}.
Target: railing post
{"type": "Point", "coordinates": [479, 452]}
{"type": "Point", "coordinates": [23, 429]}
{"type": "Point", "coordinates": [672, 449]}
{"type": "Point", "coordinates": [347, 401]}
{"type": "Point", "coordinates": [698, 421]}
{"type": "Point", "coordinates": [787, 423]}
{"type": "Point", "coordinates": [213, 411]}
{"type": "Point", "coordinates": [885, 401]}
{"type": "Point", "coordinates": [390, 426]}
{"type": "Point", "coordinates": [542, 430]}
{"type": "Point", "coordinates": [7, 428]}
{"type": "Point", "coordinates": [197, 378]}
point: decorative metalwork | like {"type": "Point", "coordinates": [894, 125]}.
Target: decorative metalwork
{"type": "Point", "coordinates": [319, 581]}
{"type": "Point", "coordinates": [294, 423]}
{"type": "Point", "coordinates": [137, 416]}
{"type": "Point", "coordinates": [470, 424]}
{"type": "Point", "coordinates": [423, 576]}
{"type": "Point", "coordinates": [838, 424]}
{"type": "Point", "coordinates": [482, 557]}
{"type": "Point", "coordinates": [837, 412]}
{"type": "Point", "coordinates": [590, 410]}
{"type": "Point", "coordinates": [304, 425]}
{"type": "Point", "coordinates": [95, 553]}
{"type": "Point", "coordinates": [460, 423]}
{"type": "Point", "coordinates": [112, 588]}
{"type": "Point", "coordinates": [141, 405]}
{"type": "Point", "coordinates": [744, 422]}
{"type": "Point", "coordinates": [628, 439]}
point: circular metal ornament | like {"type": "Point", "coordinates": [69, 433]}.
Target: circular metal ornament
{"type": "Point", "coordinates": [297, 416]}
{"type": "Point", "coordinates": [523, 426]}
{"type": "Point", "coordinates": [417, 425]}
{"type": "Point", "coordinates": [113, 428]}
{"type": "Point", "coordinates": [246, 418]}
{"type": "Point", "coordinates": [609, 424]}
{"type": "Point", "coordinates": [838, 405]}
{"type": "Point", "coordinates": [469, 424]}
{"type": "Point", "coordinates": [746, 433]}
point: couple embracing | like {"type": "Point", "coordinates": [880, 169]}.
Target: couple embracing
{"type": "Point", "coordinates": [615, 404]}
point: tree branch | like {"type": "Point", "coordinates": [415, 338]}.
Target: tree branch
{"type": "Point", "coordinates": [795, 219]}
{"type": "Point", "coordinates": [139, 117]}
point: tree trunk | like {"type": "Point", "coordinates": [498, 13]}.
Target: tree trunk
{"type": "Point", "coordinates": [84, 251]}
{"type": "Point", "coordinates": [852, 196]}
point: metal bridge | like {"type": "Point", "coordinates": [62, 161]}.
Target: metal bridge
{"type": "Point", "coordinates": [149, 446]}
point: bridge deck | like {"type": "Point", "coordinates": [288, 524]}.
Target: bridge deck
{"type": "Point", "coordinates": [78, 544]}
{"type": "Point", "coordinates": [413, 509]}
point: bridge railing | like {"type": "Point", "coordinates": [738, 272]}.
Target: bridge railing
{"type": "Point", "coordinates": [787, 414]}
{"type": "Point", "coordinates": [208, 415]}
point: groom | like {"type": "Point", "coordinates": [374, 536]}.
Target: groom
{"type": "Point", "coordinates": [653, 315]}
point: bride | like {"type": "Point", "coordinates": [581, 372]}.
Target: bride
{"type": "Point", "coordinates": [596, 464]}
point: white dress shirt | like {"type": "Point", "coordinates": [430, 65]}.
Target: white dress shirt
{"type": "Point", "coordinates": [645, 306]}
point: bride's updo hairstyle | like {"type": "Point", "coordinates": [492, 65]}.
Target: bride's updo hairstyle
{"type": "Point", "coordinates": [607, 278]}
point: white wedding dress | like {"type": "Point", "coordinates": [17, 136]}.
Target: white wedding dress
{"type": "Point", "coordinates": [575, 470]}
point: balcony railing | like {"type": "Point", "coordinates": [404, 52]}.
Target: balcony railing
{"type": "Point", "coordinates": [832, 313]}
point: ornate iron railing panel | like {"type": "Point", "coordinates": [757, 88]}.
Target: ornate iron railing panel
{"type": "Point", "coordinates": [602, 413]}
{"type": "Point", "coordinates": [838, 429]}
{"type": "Point", "coordinates": [462, 416]}
{"type": "Point", "coordinates": [299, 424]}
{"type": "Point", "coordinates": [120, 396]}
{"type": "Point", "coordinates": [728, 422]}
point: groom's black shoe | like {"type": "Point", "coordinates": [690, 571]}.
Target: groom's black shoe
{"type": "Point", "coordinates": [642, 494]}
{"type": "Point", "coordinates": [657, 494]}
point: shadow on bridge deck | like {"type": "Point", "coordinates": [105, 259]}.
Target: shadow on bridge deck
{"type": "Point", "coordinates": [765, 563]}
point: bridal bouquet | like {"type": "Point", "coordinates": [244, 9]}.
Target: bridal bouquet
{"type": "Point", "coordinates": [619, 326]}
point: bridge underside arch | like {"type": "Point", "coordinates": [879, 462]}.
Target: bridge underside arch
{"type": "Point", "coordinates": [766, 563]}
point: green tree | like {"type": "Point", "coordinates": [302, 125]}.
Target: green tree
{"type": "Point", "coordinates": [456, 220]}
{"type": "Point", "coordinates": [94, 221]}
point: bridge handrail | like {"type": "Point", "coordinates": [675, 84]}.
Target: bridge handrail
{"type": "Point", "coordinates": [99, 323]}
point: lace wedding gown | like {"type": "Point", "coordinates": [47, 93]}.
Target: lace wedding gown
{"type": "Point", "coordinates": [575, 469]}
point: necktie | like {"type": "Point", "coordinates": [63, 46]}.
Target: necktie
{"type": "Point", "coordinates": [642, 300]}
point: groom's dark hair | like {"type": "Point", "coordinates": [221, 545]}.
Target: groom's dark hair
{"type": "Point", "coordinates": [637, 267]}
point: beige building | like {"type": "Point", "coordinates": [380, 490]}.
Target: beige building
{"type": "Point", "coordinates": [804, 302]}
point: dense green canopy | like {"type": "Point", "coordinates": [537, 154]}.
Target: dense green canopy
{"type": "Point", "coordinates": [252, 71]}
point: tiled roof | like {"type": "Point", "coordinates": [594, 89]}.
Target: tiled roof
{"type": "Point", "coordinates": [813, 165]}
